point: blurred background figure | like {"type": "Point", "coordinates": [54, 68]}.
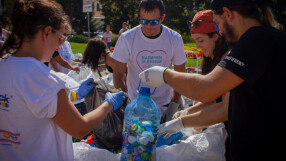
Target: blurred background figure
{"type": "Point", "coordinates": [107, 35]}
{"type": "Point", "coordinates": [123, 29]}
{"type": "Point", "coordinates": [61, 60]}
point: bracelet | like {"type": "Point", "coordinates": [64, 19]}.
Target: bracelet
{"type": "Point", "coordinates": [74, 95]}
{"type": "Point", "coordinates": [164, 75]}
{"type": "Point", "coordinates": [183, 123]}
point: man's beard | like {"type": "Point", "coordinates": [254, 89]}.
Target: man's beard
{"type": "Point", "coordinates": [229, 35]}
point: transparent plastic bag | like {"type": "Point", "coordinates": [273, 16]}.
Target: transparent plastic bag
{"type": "Point", "coordinates": [79, 76]}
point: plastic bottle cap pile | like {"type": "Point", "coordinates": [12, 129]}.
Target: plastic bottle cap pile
{"type": "Point", "coordinates": [138, 141]}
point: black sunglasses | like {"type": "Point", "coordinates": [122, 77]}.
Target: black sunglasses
{"type": "Point", "coordinates": [196, 24]}
{"type": "Point", "coordinates": [152, 22]}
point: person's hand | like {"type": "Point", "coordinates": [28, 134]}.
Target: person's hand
{"type": "Point", "coordinates": [172, 109]}
{"type": "Point", "coordinates": [180, 113]}
{"type": "Point", "coordinates": [171, 127]}
{"type": "Point", "coordinates": [170, 140]}
{"type": "Point", "coordinates": [116, 99]}
{"type": "Point", "coordinates": [153, 76]}
{"type": "Point", "coordinates": [76, 68]}
{"type": "Point", "coordinates": [84, 88]}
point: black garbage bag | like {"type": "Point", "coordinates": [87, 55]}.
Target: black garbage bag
{"type": "Point", "coordinates": [108, 135]}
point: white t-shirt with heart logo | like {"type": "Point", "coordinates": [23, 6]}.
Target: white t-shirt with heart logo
{"type": "Point", "coordinates": [140, 53]}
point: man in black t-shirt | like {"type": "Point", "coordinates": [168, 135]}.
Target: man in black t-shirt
{"type": "Point", "coordinates": [256, 59]}
{"type": "Point", "coordinates": [253, 72]}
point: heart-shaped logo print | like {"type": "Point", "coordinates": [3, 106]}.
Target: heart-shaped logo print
{"type": "Point", "coordinates": [146, 59]}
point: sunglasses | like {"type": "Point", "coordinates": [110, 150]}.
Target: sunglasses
{"type": "Point", "coordinates": [152, 22]}
{"type": "Point", "coordinates": [196, 24]}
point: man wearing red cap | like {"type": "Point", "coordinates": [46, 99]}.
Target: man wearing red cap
{"type": "Point", "coordinates": [256, 82]}
{"type": "Point", "coordinates": [214, 47]}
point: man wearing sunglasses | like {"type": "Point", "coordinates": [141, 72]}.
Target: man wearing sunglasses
{"type": "Point", "coordinates": [255, 81]}
{"type": "Point", "coordinates": [149, 44]}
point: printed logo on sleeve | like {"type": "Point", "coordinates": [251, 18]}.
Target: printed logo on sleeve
{"type": "Point", "coordinates": [4, 102]}
{"type": "Point", "coordinates": [236, 61]}
{"type": "Point", "coordinates": [9, 137]}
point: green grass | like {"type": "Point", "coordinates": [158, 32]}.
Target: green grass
{"type": "Point", "coordinates": [78, 47]}
{"type": "Point", "coordinates": [190, 44]}
{"type": "Point", "coordinates": [193, 62]}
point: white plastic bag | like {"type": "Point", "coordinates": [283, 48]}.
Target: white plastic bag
{"type": "Point", "coordinates": [84, 152]}
{"type": "Point", "coordinates": [208, 145]}
{"type": "Point", "coordinates": [205, 146]}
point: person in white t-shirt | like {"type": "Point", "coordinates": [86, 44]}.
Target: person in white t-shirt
{"type": "Point", "coordinates": [61, 60]}
{"type": "Point", "coordinates": [124, 28]}
{"type": "Point", "coordinates": [149, 44]}
{"type": "Point", "coordinates": [37, 117]}
{"type": "Point", "coordinates": [107, 36]}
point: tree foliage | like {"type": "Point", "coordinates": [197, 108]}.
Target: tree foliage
{"type": "Point", "coordinates": [178, 13]}
{"type": "Point", "coordinates": [116, 12]}
{"type": "Point", "coordinates": [279, 11]}
{"type": "Point", "coordinates": [73, 8]}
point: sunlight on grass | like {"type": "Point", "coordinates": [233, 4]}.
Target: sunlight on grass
{"type": "Point", "coordinates": [78, 47]}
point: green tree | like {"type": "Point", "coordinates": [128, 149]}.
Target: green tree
{"type": "Point", "coordinates": [116, 12]}
{"type": "Point", "coordinates": [7, 4]}
{"type": "Point", "coordinates": [78, 19]}
{"type": "Point", "coordinates": [279, 10]}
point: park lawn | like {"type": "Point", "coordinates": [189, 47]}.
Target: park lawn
{"type": "Point", "coordinates": [80, 47]}
{"type": "Point", "coordinates": [190, 44]}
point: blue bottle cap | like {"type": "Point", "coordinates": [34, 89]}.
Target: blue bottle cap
{"type": "Point", "coordinates": [144, 90]}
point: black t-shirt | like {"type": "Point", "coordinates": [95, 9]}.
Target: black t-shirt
{"type": "Point", "coordinates": [56, 53]}
{"type": "Point", "coordinates": [107, 66]}
{"type": "Point", "coordinates": [257, 113]}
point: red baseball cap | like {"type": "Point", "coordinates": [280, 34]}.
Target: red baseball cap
{"type": "Point", "coordinates": [203, 22]}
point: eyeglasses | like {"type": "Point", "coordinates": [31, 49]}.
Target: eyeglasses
{"type": "Point", "coordinates": [152, 22]}
{"type": "Point", "coordinates": [64, 36]}
{"type": "Point", "coordinates": [196, 24]}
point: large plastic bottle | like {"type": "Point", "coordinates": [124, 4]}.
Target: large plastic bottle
{"type": "Point", "coordinates": [141, 120]}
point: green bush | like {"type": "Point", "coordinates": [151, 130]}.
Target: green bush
{"type": "Point", "coordinates": [114, 39]}
{"type": "Point", "coordinates": [185, 38]}
{"type": "Point", "coordinates": [78, 39]}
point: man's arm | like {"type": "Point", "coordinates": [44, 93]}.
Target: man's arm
{"type": "Point", "coordinates": [119, 75]}
{"type": "Point", "coordinates": [176, 96]}
{"type": "Point", "coordinates": [204, 88]}
{"type": "Point", "coordinates": [206, 114]}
